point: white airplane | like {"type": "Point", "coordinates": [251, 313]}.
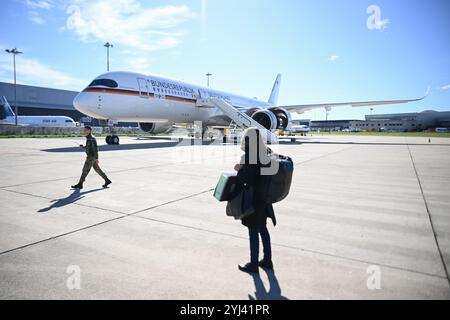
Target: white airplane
{"type": "Point", "coordinates": [7, 116]}
{"type": "Point", "coordinates": [301, 128]}
{"type": "Point", "coordinates": [157, 102]}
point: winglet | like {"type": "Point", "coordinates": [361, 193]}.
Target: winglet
{"type": "Point", "coordinates": [273, 99]}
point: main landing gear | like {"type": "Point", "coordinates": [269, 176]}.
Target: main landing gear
{"type": "Point", "coordinates": [112, 139]}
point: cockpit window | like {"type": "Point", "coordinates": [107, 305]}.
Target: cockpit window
{"type": "Point", "coordinates": [104, 82]}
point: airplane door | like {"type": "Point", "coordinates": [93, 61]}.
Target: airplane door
{"type": "Point", "coordinates": [143, 88]}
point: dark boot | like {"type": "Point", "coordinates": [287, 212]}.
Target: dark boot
{"type": "Point", "coordinates": [107, 183]}
{"type": "Point", "coordinates": [249, 268]}
{"type": "Point", "coordinates": [78, 186]}
{"type": "Point", "coordinates": [266, 264]}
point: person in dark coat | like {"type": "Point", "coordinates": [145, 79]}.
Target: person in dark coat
{"type": "Point", "coordinates": [249, 171]}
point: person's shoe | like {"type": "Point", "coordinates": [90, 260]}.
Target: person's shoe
{"type": "Point", "coordinates": [249, 268]}
{"type": "Point", "coordinates": [78, 186]}
{"type": "Point", "coordinates": [266, 264]}
{"type": "Point", "coordinates": [107, 183]}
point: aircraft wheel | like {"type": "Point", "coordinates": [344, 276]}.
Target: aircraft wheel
{"type": "Point", "coordinates": [114, 140]}
{"type": "Point", "coordinates": [108, 139]}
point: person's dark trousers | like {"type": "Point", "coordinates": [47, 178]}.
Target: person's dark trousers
{"type": "Point", "coordinates": [254, 233]}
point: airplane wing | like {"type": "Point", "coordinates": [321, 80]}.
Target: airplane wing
{"type": "Point", "coordinates": [328, 106]}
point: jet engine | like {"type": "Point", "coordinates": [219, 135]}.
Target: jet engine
{"type": "Point", "coordinates": [156, 127]}
{"type": "Point", "coordinates": [273, 118]}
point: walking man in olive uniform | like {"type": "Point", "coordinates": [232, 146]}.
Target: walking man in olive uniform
{"type": "Point", "coordinates": [91, 159]}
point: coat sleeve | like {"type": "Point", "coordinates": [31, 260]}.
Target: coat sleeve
{"type": "Point", "coordinates": [95, 148]}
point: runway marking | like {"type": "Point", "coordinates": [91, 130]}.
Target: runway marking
{"type": "Point", "coordinates": [109, 172]}
{"type": "Point", "coordinates": [63, 200]}
{"type": "Point", "coordinates": [296, 248]}
{"type": "Point", "coordinates": [136, 215]}
{"type": "Point", "coordinates": [124, 215]}
{"type": "Point", "coordinates": [323, 156]}
{"type": "Point", "coordinates": [429, 216]}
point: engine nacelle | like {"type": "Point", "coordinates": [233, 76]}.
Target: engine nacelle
{"type": "Point", "coordinates": [266, 118]}
{"type": "Point", "coordinates": [284, 118]}
{"type": "Point", "coordinates": [156, 127]}
{"type": "Point", "coordinates": [273, 118]}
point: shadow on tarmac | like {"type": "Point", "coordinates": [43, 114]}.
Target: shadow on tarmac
{"type": "Point", "coordinates": [130, 146]}
{"type": "Point", "coordinates": [184, 143]}
{"type": "Point", "coordinates": [73, 197]}
{"type": "Point", "coordinates": [261, 293]}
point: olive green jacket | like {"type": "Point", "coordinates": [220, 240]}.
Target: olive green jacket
{"type": "Point", "coordinates": [91, 147]}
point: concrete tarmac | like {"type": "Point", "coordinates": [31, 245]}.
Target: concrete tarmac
{"type": "Point", "coordinates": [367, 218]}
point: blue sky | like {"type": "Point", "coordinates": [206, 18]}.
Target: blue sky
{"type": "Point", "coordinates": [324, 49]}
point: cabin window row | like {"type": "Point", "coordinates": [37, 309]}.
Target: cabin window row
{"type": "Point", "coordinates": [167, 91]}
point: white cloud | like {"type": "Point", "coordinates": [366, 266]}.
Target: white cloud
{"type": "Point", "coordinates": [36, 18]}
{"type": "Point", "coordinates": [41, 4]}
{"type": "Point", "coordinates": [126, 23]}
{"type": "Point", "coordinates": [33, 72]}
{"type": "Point", "coordinates": [36, 7]}
{"type": "Point", "coordinates": [140, 64]}
{"type": "Point", "coordinates": [334, 57]}
{"type": "Point", "coordinates": [447, 87]}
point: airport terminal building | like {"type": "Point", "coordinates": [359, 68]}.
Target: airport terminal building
{"type": "Point", "coordinates": [403, 122]}
{"type": "Point", "coordinates": [397, 122]}
{"type": "Point", "coordinates": [39, 101]}
{"type": "Point", "coordinates": [330, 125]}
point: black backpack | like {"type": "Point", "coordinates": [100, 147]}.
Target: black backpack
{"type": "Point", "coordinates": [275, 187]}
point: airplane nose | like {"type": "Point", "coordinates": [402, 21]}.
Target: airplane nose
{"type": "Point", "coordinates": [77, 102]}
{"type": "Point", "coordinates": [87, 104]}
{"type": "Point", "coordinates": [81, 103]}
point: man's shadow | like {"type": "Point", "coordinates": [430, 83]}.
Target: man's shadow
{"type": "Point", "coordinates": [72, 198]}
{"type": "Point", "coordinates": [274, 292]}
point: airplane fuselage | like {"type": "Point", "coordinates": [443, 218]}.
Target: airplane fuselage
{"type": "Point", "coordinates": [134, 97]}
{"type": "Point", "coordinates": [40, 121]}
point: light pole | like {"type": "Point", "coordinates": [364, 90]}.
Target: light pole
{"type": "Point", "coordinates": [108, 45]}
{"type": "Point", "coordinates": [15, 52]}
{"type": "Point", "coordinates": [207, 78]}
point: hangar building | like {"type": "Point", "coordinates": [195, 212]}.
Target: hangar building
{"type": "Point", "coordinates": [404, 122]}
{"type": "Point", "coordinates": [39, 101]}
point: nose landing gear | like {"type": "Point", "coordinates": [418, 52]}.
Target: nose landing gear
{"type": "Point", "coordinates": [112, 139]}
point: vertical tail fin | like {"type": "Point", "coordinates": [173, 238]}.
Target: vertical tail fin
{"type": "Point", "coordinates": [273, 99]}
{"type": "Point", "coordinates": [8, 112]}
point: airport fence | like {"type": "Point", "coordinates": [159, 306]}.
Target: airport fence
{"type": "Point", "coordinates": [28, 130]}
